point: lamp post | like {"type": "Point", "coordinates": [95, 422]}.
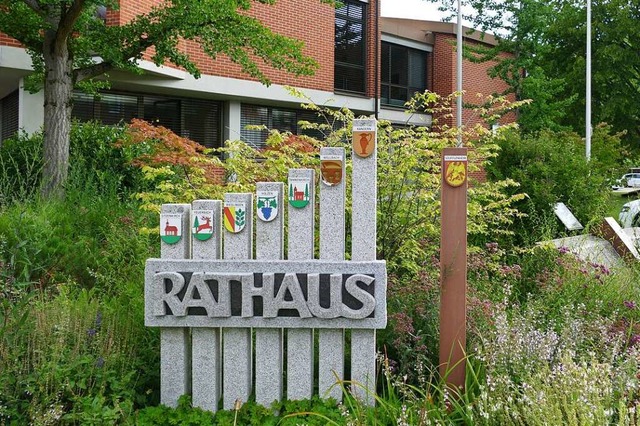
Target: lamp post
{"type": "Point", "coordinates": [588, 88]}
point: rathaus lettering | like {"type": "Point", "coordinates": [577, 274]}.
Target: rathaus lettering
{"type": "Point", "coordinates": [266, 295]}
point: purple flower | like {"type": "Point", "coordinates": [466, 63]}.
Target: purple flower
{"type": "Point", "coordinates": [98, 319]}
{"type": "Point", "coordinates": [91, 332]}
{"type": "Point", "coordinates": [99, 362]}
{"type": "Point", "coordinates": [492, 247]}
{"type": "Point", "coordinates": [563, 249]}
{"type": "Point", "coordinates": [629, 304]}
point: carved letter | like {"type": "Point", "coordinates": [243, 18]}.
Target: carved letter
{"type": "Point", "coordinates": [367, 300]}
{"type": "Point", "coordinates": [273, 305]}
{"type": "Point", "coordinates": [171, 298]}
{"type": "Point", "coordinates": [222, 308]}
{"type": "Point", "coordinates": [335, 296]}
{"type": "Point", "coordinates": [249, 291]}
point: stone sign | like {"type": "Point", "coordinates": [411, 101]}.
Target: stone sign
{"type": "Point", "coordinates": [187, 293]}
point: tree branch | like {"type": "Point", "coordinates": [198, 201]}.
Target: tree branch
{"type": "Point", "coordinates": [102, 67]}
{"type": "Point", "coordinates": [34, 5]}
{"type": "Point", "coordinates": [66, 22]}
{"type": "Point", "coordinates": [92, 71]}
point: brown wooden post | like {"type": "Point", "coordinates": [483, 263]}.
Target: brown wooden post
{"type": "Point", "coordinates": [453, 267]}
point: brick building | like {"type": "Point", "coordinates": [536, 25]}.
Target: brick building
{"type": "Point", "coordinates": [412, 56]}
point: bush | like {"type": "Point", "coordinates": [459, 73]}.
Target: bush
{"type": "Point", "coordinates": [551, 167]}
{"type": "Point", "coordinates": [20, 167]}
{"type": "Point", "coordinates": [75, 359]}
{"type": "Point", "coordinates": [89, 239]}
{"type": "Point", "coordinates": [94, 162]}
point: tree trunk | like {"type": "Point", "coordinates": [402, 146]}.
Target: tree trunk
{"type": "Point", "coordinates": [58, 90]}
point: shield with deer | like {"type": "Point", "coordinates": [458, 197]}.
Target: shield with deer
{"type": "Point", "coordinates": [202, 224]}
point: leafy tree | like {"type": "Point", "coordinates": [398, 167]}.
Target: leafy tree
{"type": "Point", "coordinates": [70, 45]}
{"type": "Point", "coordinates": [547, 44]}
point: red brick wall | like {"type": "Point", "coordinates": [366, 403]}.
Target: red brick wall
{"type": "Point", "coordinates": [5, 40]}
{"type": "Point", "coordinates": [474, 79]}
{"type": "Point", "coordinates": [307, 20]}
{"type": "Point", "coordinates": [373, 63]}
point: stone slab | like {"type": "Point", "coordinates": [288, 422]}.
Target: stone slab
{"type": "Point", "coordinates": [269, 366]}
{"type": "Point", "coordinates": [566, 217]}
{"type": "Point", "coordinates": [237, 369]}
{"type": "Point", "coordinates": [590, 248]}
{"type": "Point", "coordinates": [299, 364]}
{"type": "Point", "coordinates": [160, 275]}
{"type": "Point", "coordinates": [175, 365]}
{"type": "Point", "coordinates": [611, 231]}
{"type": "Point", "coordinates": [175, 344]}
{"type": "Point", "coordinates": [206, 368]}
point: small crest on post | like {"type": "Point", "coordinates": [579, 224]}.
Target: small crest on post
{"type": "Point", "coordinates": [235, 216]}
{"type": "Point", "coordinates": [299, 192]}
{"type": "Point", "coordinates": [455, 170]}
{"type": "Point", "coordinates": [202, 224]}
{"type": "Point", "coordinates": [170, 227]}
{"type": "Point", "coordinates": [267, 205]}
{"type": "Point", "coordinates": [364, 137]}
{"type": "Point", "coordinates": [331, 169]}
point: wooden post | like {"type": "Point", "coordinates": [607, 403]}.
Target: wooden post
{"type": "Point", "coordinates": [453, 267]}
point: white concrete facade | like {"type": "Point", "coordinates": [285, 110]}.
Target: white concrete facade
{"type": "Point", "coordinates": [15, 64]}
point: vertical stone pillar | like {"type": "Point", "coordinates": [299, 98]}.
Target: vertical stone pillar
{"type": "Point", "coordinates": [206, 230]}
{"type": "Point", "coordinates": [363, 247]}
{"type": "Point", "coordinates": [301, 208]}
{"type": "Point", "coordinates": [175, 345]}
{"type": "Point", "coordinates": [237, 347]}
{"type": "Point", "coordinates": [332, 246]}
{"type": "Point", "coordinates": [269, 245]}
{"type": "Point", "coordinates": [453, 267]}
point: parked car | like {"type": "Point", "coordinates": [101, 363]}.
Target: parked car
{"type": "Point", "coordinates": [628, 180]}
{"type": "Point", "coordinates": [630, 214]}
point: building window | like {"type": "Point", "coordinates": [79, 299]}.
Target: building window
{"type": "Point", "coordinates": [404, 72]}
{"type": "Point", "coordinates": [281, 119]}
{"type": "Point", "coordinates": [9, 106]}
{"type": "Point", "coordinates": [350, 49]}
{"type": "Point", "coordinates": [196, 119]}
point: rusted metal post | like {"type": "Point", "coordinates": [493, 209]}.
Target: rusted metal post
{"type": "Point", "coordinates": [453, 267]}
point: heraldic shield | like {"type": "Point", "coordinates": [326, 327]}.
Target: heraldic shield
{"type": "Point", "coordinates": [299, 192]}
{"type": "Point", "coordinates": [455, 172]}
{"type": "Point", "coordinates": [170, 228]}
{"type": "Point", "coordinates": [267, 205]}
{"type": "Point", "coordinates": [331, 170]}
{"type": "Point", "coordinates": [202, 224]}
{"type": "Point", "coordinates": [235, 217]}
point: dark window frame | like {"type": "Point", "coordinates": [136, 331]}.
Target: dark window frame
{"type": "Point", "coordinates": [251, 115]}
{"type": "Point", "coordinates": [389, 69]}
{"type": "Point", "coordinates": [209, 135]}
{"type": "Point", "coordinates": [9, 115]}
{"type": "Point", "coordinates": [341, 68]}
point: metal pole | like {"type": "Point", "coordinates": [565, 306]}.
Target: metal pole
{"type": "Point", "coordinates": [459, 74]}
{"type": "Point", "coordinates": [588, 90]}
